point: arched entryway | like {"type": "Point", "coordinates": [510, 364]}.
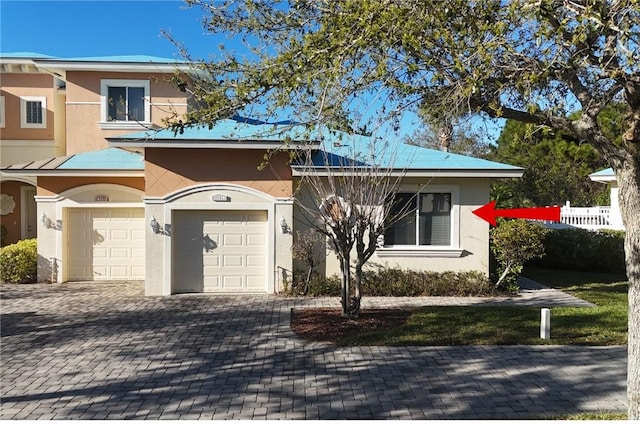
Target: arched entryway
{"type": "Point", "coordinates": [18, 208]}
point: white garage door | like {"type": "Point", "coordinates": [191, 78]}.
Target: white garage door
{"type": "Point", "coordinates": [105, 244]}
{"type": "Point", "coordinates": [220, 251]}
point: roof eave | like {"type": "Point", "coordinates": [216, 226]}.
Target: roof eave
{"type": "Point", "coordinates": [460, 173]}
{"type": "Point", "coordinates": [73, 173]}
{"type": "Point", "coordinates": [603, 178]}
{"type": "Point", "coordinates": [60, 67]}
{"type": "Point", "coordinates": [195, 143]}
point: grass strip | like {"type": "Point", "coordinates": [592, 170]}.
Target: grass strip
{"type": "Point", "coordinates": [602, 325]}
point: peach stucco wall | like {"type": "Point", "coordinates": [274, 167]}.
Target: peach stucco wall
{"type": "Point", "coordinates": [83, 107]}
{"type": "Point", "coordinates": [170, 169]}
{"type": "Point", "coordinates": [13, 87]}
{"type": "Point", "coordinates": [51, 185]}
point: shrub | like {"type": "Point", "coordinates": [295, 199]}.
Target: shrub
{"type": "Point", "coordinates": [19, 262]}
{"type": "Point", "coordinates": [582, 250]}
{"type": "Point", "coordinates": [514, 242]}
{"type": "Point", "coordinates": [315, 285]}
{"type": "Point", "coordinates": [396, 282]}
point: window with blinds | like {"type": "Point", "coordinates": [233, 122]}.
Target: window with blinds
{"type": "Point", "coordinates": [422, 219]}
{"type": "Point", "coordinates": [33, 112]}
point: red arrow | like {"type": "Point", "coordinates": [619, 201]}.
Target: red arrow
{"type": "Point", "coordinates": [489, 213]}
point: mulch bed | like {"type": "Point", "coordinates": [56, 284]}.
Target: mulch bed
{"type": "Point", "coordinates": [328, 325]}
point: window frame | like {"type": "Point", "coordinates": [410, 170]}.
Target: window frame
{"type": "Point", "coordinates": [2, 112]}
{"type": "Point", "coordinates": [105, 123]}
{"type": "Point", "coordinates": [452, 249]}
{"type": "Point", "coordinates": [23, 112]}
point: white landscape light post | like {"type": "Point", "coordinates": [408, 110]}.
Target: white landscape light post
{"type": "Point", "coordinates": [545, 323]}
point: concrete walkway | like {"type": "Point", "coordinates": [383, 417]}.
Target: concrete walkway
{"type": "Point", "coordinates": [104, 351]}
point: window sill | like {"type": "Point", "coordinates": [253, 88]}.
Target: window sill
{"type": "Point", "coordinates": [420, 252]}
{"type": "Point", "coordinates": [125, 125]}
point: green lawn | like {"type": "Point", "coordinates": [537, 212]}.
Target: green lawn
{"type": "Point", "coordinates": [605, 324]}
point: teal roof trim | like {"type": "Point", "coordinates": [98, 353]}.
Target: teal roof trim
{"type": "Point", "coordinates": [105, 159]}
{"type": "Point", "coordinates": [605, 172]}
{"type": "Point", "coordinates": [24, 55]}
{"type": "Point", "coordinates": [122, 59]}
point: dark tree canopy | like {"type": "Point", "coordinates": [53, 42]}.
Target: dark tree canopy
{"type": "Point", "coordinates": [557, 169]}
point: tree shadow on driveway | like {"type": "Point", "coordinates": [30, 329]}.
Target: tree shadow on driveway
{"type": "Point", "coordinates": [102, 355]}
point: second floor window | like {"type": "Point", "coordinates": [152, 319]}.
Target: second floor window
{"type": "Point", "coordinates": [33, 112]}
{"type": "Point", "coordinates": [126, 104]}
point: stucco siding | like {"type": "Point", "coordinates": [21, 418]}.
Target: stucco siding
{"type": "Point", "coordinates": [84, 107]}
{"type": "Point", "coordinates": [472, 233]}
{"type": "Point", "coordinates": [15, 86]}
{"type": "Point", "coordinates": [170, 169]}
{"type": "Point", "coordinates": [52, 185]}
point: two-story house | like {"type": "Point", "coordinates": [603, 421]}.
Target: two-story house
{"type": "Point", "coordinates": [193, 212]}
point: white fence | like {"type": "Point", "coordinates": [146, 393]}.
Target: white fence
{"type": "Point", "coordinates": [592, 218]}
{"type": "Point", "coordinates": [586, 217]}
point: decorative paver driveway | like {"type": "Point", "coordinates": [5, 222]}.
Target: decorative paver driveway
{"type": "Point", "coordinates": [104, 351]}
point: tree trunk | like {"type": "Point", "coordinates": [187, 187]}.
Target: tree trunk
{"type": "Point", "coordinates": [357, 296]}
{"type": "Point", "coordinates": [628, 177]}
{"type": "Point", "coordinates": [346, 284]}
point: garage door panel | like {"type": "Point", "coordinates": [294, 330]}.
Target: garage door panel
{"type": "Point", "coordinates": [119, 253]}
{"type": "Point", "coordinates": [211, 260]}
{"type": "Point", "coordinates": [232, 282]}
{"type": "Point", "coordinates": [255, 260]}
{"type": "Point", "coordinates": [232, 240]}
{"type": "Point", "coordinates": [232, 260]}
{"type": "Point", "coordinates": [255, 240]}
{"type": "Point", "coordinates": [106, 244]}
{"type": "Point", "coordinates": [222, 263]}
{"type": "Point", "coordinates": [255, 282]}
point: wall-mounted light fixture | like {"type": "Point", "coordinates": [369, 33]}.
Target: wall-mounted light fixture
{"type": "Point", "coordinates": [284, 227]}
{"type": "Point", "coordinates": [45, 220]}
{"type": "Point", "coordinates": [50, 224]}
{"type": "Point", "coordinates": [155, 226]}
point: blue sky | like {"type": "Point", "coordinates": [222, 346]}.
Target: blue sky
{"type": "Point", "coordinates": [102, 28]}
{"type": "Point", "coordinates": [85, 28]}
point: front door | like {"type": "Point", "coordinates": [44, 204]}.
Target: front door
{"type": "Point", "coordinates": [29, 212]}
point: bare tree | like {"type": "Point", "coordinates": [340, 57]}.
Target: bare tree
{"type": "Point", "coordinates": [348, 199]}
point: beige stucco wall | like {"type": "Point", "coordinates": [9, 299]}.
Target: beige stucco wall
{"type": "Point", "coordinates": [171, 169]}
{"type": "Point", "coordinates": [84, 106]}
{"type": "Point", "coordinates": [473, 232]}
{"type": "Point", "coordinates": [52, 250]}
{"type": "Point", "coordinates": [159, 250]}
